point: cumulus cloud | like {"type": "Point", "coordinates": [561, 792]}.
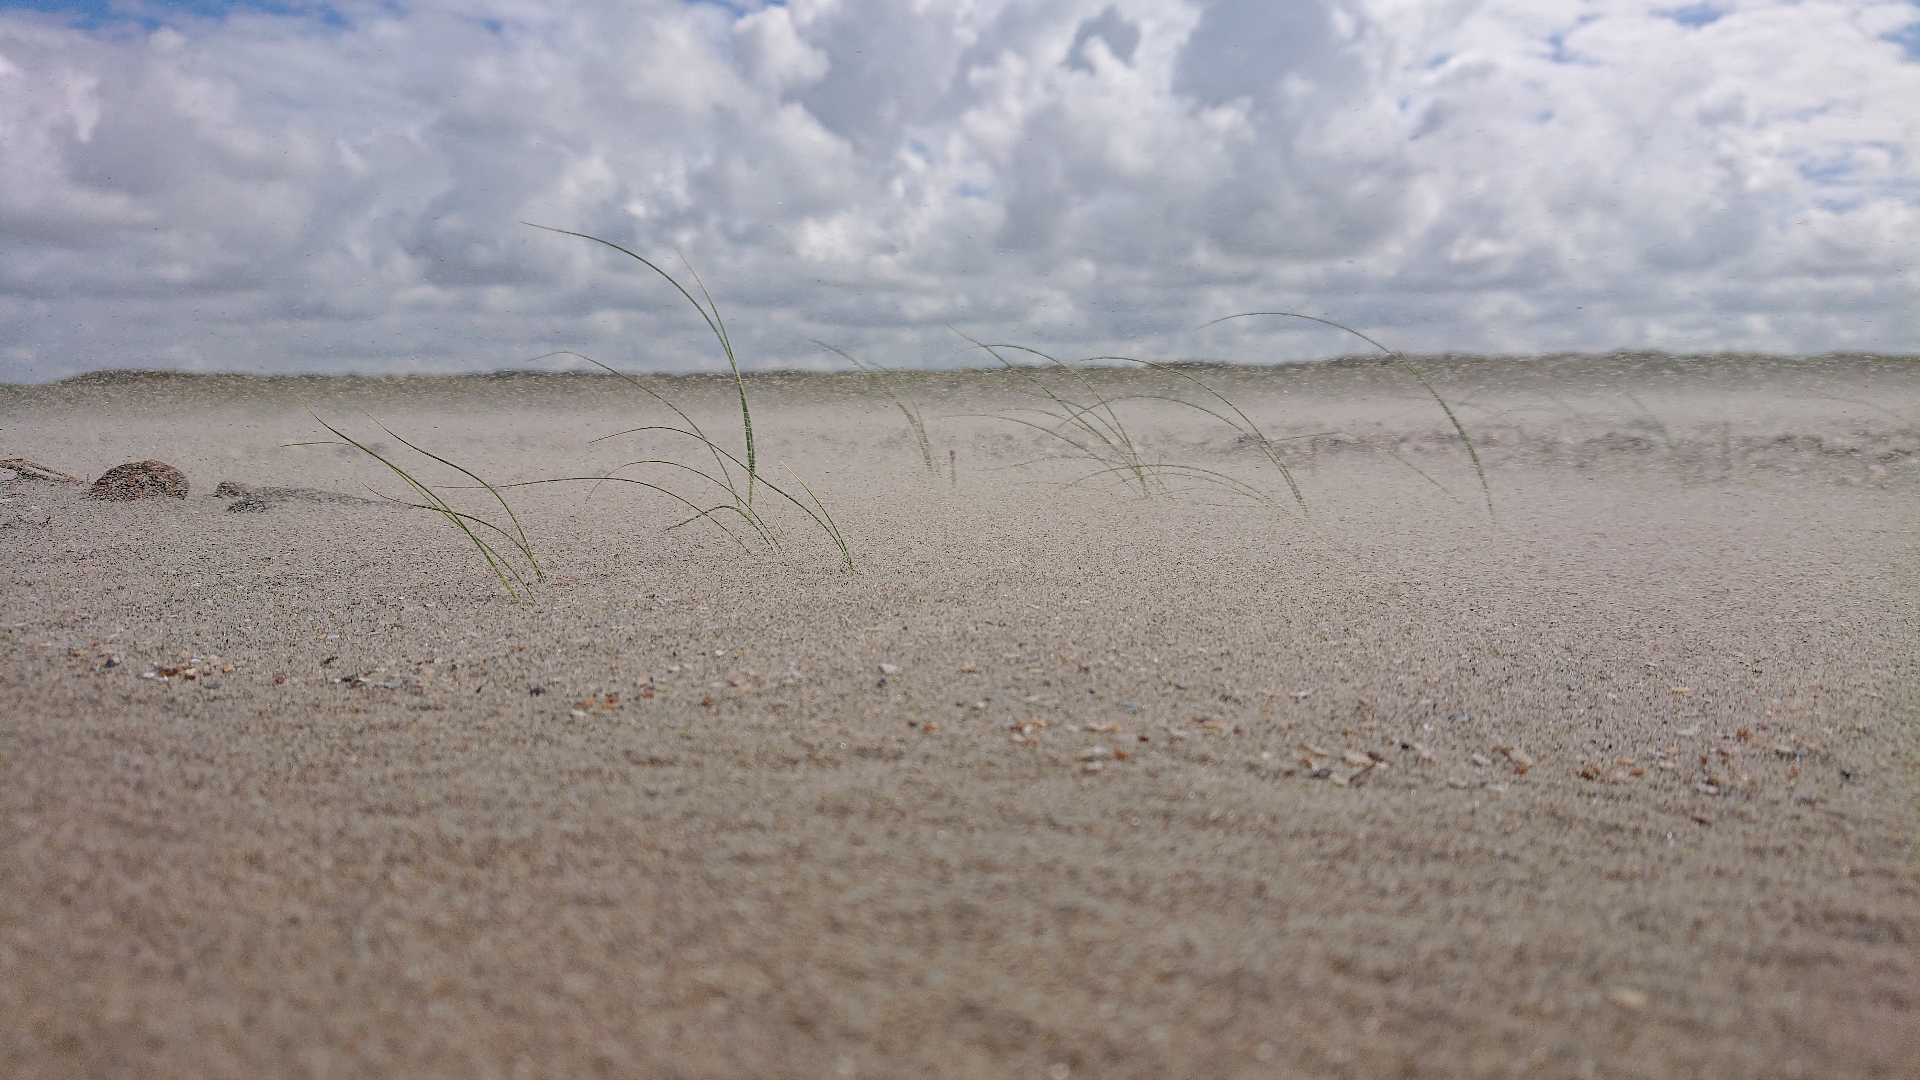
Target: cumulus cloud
{"type": "Point", "coordinates": [340, 187]}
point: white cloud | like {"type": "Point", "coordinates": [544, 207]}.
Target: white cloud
{"type": "Point", "coordinates": [275, 192]}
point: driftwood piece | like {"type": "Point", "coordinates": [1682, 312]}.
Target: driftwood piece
{"type": "Point", "coordinates": [246, 499]}
{"type": "Point", "coordinates": [34, 471]}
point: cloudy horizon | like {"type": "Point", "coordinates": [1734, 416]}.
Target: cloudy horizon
{"type": "Point", "coordinates": [323, 187]}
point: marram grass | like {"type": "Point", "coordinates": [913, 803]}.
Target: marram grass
{"type": "Point", "coordinates": [884, 379]}
{"type": "Point", "coordinates": [1089, 423]}
{"type": "Point", "coordinates": [475, 528]}
{"type": "Point", "coordinates": [1411, 368]}
{"type": "Point", "coordinates": [1070, 409]}
{"type": "Point", "coordinates": [733, 478]}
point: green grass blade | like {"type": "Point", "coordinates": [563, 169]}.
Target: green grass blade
{"type": "Point", "coordinates": [699, 512]}
{"type": "Point", "coordinates": [1248, 431]}
{"type": "Point", "coordinates": [693, 428]}
{"type": "Point", "coordinates": [1107, 428]}
{"type": "Point", "coordinates": [502, 568]}
{"type": "Point", "coordinates": [739, 383]}
{"type": "Point", "coordinates": [1102, 409]}
{"type": "Point", "coordinates": [710, 314]}
{"type": "Point", "coordinates": [710, 317]}
{"type": "Point", "coordinates": [832, 527]}
{"type": "Point", "coordinates": [884, 379]}
{"type": "Point", "coordinates": [1414, 369]}
{"type": "Point", "coordinates": [521, 542]}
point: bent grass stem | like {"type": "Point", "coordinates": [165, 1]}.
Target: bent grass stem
{"type": "Point", "coordinates": [725, 461]}
{"type": "Point", "coordinates": [907, 406]}
{"type": "Point", "coordinates": [502, 567]}
{"type": "Point", "coordinates": [1411, 367]}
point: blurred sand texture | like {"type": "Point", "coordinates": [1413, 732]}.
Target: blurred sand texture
{"type": "Point", "coordinates": [1063, 781]}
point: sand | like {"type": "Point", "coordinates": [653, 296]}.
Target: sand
{"type": "Point", "coordinates": [1619, 784]}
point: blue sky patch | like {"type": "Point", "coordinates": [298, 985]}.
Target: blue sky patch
{"type": "Point", "coordinates": [1908, 38]}
{"type": "Point", "coordinates": [153, 14]}
{"type": "Point", "coordinates": [1694, 15]}
{"type": "Point", "coordinates": [1828, 171]}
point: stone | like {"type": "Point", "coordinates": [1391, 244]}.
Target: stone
{"type": "Point", "coordinates": [140, 480]}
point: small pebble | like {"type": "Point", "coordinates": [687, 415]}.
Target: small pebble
{"type": "Point", "coordinates": [1627, 998]}
{"type": "Point", "coordinates": [1522, 761]}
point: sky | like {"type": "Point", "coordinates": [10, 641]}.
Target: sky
{"type": "Point", "coordinates": [341, 186]}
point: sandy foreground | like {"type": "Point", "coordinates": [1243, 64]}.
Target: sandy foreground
{"type": "Point", "coordinates": [1061, 782]}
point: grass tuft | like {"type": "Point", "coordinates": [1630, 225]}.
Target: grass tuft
{"type": "Point", "coordinates": [736, 476]}
{"type": "Point", "coordinates": [885, 380]}
{"type": "Point", "coordinates": [1089, 423]}
{"type": "Point", "coordinates": [1412, 368]}
{"type": "Point", "coordinates": [474, 527]}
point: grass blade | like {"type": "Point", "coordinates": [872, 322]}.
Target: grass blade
{"type": "Point", "coordinates": [503, 568]}
{"type": "Point", "coordinates": [908, 408]}
{"type": "Point", "coordinates": [1412, 368]}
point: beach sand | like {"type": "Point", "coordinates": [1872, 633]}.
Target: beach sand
{"type": "Point", "coordinates": [1619, 783]}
